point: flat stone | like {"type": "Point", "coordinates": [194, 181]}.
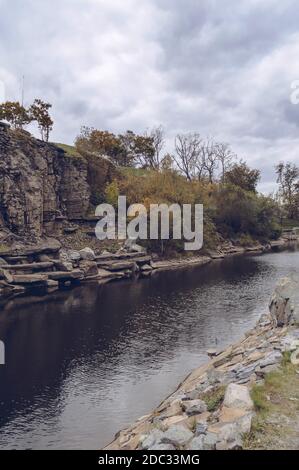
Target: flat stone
{"type": "Point", "coordinates": [30, 279]}
{"type": "Point", "coordinates": [271, 358]}
{"type": "Point", "coordinates": [65, 275]}
{"type": "Point", "coordinates": [237, 396]}
{"type": "Point", "coordinates": [212, 352]}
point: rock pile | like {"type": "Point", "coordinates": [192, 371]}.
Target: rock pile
{"type": "Point", "coordinates": [212, 408]}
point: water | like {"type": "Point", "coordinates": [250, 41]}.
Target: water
{"type": "Point", "coordinates": [83, 363]}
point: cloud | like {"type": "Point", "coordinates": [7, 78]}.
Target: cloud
{"type": "Point", "coordinates": [219, 69]}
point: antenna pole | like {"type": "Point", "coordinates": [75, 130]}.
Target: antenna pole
{"type": "Point", "coordinates": [23, 87]}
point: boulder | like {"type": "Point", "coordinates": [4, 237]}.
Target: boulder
{"type": "Point", "coordinates": [237, 396]}
{"type": "Point", "coordinates": [89, 268]}
{"type": "Point", "coordinates": [284, 303]}
{"type": "Point", "coordinates": [131, 246]}
{"type": "Point", "coordinates": [194, 407]}
{"type": "Point", "coordinates": [295, 357]}
{"type": "Point", "coordinates": [177, 435]}
{"type": "Point", "coordinates": [197, 443]}
{"type": "Point", "coordinates": [87, 254]}
{"type": "Point", "coordinates": [151, 440]}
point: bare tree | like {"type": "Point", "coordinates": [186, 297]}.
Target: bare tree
{"type": "Point", "coordinates": [209, 158]}
{"type": "Point", "coordinates": [187, 147]}
{"type": "Point", "coordinates": [225, 156]}
{"type": "Point", "coordinates": [158, 141]}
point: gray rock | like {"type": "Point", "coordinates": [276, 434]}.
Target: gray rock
{"type": "Point", "coordinates": [197, 443]}
{"type": "Point", "coordinates": [87, 254]}
{"type": "Point", "coordinates": [284, 303]}
{"type": "Point", "coordinates": [177, 435]}
{"type": "Point", "coordinates": [201, 428]}
{"type": "Point", "coordinates": [194, 407]}
{"type": "Point", "coordinates": [209, 441]}
{"type": "Point", "coordinates": [162, 447]}
{"type": "Point", "coordinates": [152, 439]}
{"type": "Point", "coordinates": [73, 255]}
{"type": "Point", "coordinates": [274, 357]}
{"type": "Point", "coordinates": [2, 262]}
{"type": "Point", "coordinates": [192, 395]}
{"type": "Point", "coordinates": [237, 396]}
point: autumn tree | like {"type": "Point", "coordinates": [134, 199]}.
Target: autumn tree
{"type": "Point", "coordinates": [144, 151]}
{"type": "Point", "coordinates": [240, 174]}
{"type": "Point", "coordinates": [96, 141]}
{"type": "Point", "coordinates": [39, 112]}
{"type": "Point", "coordinates": [14, 113]}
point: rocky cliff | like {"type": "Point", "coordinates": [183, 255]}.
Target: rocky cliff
{"type": "Point", "coordinates": [40, 185]}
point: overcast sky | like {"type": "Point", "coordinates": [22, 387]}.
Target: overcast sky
{"type": "Point", "coordinates": [222, 68]}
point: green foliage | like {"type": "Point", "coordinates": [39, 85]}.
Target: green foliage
{"type": "Point", "coordinates": [112, 193]}
{"type": "Point", "coordinates": [125, 150]}
{"type": "Point", "coordinates": [39, 112]}
{"type": "Point", "coordinates": [14, 113]}
{"type": "Point", "coordinates": [213, 398]}
{"type": "Point", "coordinates": [242, 176]}
{"type": "Point", "coordinates": [244, 212]}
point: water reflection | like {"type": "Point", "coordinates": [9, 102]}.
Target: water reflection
{"type": "Point", "coordinates": [83, 363]}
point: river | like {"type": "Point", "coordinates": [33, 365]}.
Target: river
{"type": "Point", "coordinates": [83, 363]}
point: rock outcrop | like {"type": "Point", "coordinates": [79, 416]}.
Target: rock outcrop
{"type": "Point", "coordinates": [284, 304]}
{"type": "Point", "coordinates": [40, 185]}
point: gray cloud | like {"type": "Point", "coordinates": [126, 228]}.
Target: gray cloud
{"type": "Point", "coordinates": [220, 68]}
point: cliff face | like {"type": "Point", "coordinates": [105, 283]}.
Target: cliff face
{"type": "Point", "coordinates": [40, 185]}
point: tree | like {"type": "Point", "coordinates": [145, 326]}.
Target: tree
{"type": "Point", "coordinates": [225, 157]}
{"type": "Point", "coordinates": [209, 158]}
{"type": "Point", "coordinates": [127, 154]}
{"type": "Point", "coordinates": [241, 175]}
{"type": "Point", "coordinates": [158, 141]}
{"type": "Point", "coordinates": [103, 143]}
{"type": "Point", "coordinates": [187, 148]}
{"type": "Point", "coordinates": [288, 180]}
{"type": "Point", "coordinates": [144, 151]}
{"type": "Point", "coordinates": [39, 112]}
{"type": "Point", "coordinates": [14, 113]}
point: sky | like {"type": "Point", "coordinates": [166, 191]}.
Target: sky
{"type": "Point", "coordinates": [220, 68]}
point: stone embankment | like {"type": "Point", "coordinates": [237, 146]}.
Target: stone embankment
{"type": "Point", "coordinates": [47, 266]}
{"type": "Point", "coordinates": [212, 408]}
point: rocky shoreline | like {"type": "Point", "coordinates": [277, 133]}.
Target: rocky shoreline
{"type": "Point", "coordinates": [46, 266]}
{"type": "Point", "coordinates": [212, 408]}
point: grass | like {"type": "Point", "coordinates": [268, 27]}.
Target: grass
{"type": "Point", "coordinates": [128, 171]}
{"type": "Point", "coordinates": [214, 398]}
{"type": "Point", "coordinates": [276, 424]}
{"type": "Point", "coordinates": [70, 150]}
